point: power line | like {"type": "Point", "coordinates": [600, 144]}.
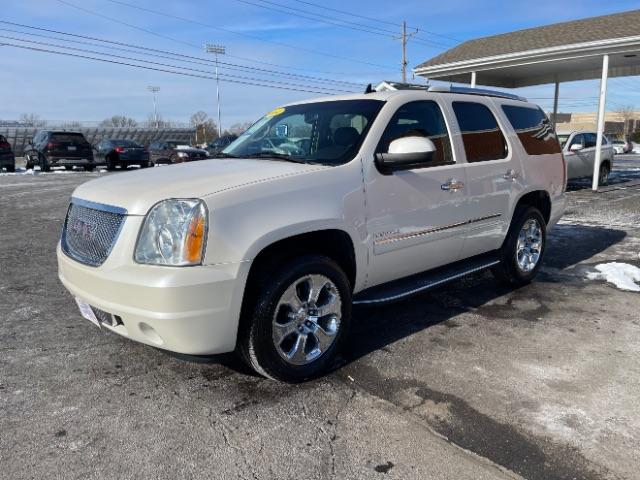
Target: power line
{"type": "Point", "coordinates": [187, 58]}
{"type": "Point", "coordinates": [345, 23]}
{"type": "Point", "coordinates": [234, 77]}
{"type": "Point", "coordinates": [215, 27]}
{"type": "Point", "coordinates": [387, 22]}
{"type": "Point", "coordinates": [186, 74]}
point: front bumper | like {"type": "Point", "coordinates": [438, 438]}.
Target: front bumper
{"type": "Point", "coordinates": [191, 310]}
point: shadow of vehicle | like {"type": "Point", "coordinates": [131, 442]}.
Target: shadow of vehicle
{"type": "Point", "coordinates": [375, 328]}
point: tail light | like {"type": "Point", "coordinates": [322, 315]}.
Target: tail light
{"type": "Point", "coordinates": [120, 149]}
{"type": "Point", "coordinates": [5, 145]}
{"type": "Point", "coordinates": [53, 144]}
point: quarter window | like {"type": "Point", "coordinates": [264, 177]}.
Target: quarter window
{"type": "Point", "coordinates": [533, 129]}
{"type": "Point", "coordinates": [483, 140]}
{"type": "Point", "coordinates": [422, 119]}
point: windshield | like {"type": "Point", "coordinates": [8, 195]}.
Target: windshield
{"type": "Point", "coordinates": [562, 139]}
{"type": "Point", "coordinates": [323, 132]}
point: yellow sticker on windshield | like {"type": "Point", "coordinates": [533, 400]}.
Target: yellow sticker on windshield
{"type": "Point", "coordinates": [276, 112]}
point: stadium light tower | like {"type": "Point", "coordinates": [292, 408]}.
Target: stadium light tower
{"type": "Point", "coordinates": [217, 50]}
{"type": "Point", "coordinates": [154, 90]}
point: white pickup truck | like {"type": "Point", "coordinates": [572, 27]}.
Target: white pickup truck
{"type": "Point", "coordinates": [366, 199]}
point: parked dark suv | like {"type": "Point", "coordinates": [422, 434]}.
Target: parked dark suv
{"type": "Point", "coordinates": [174, 151]}
{"type": "Point", "coordinates": [59, 148]}
{"type": "Point", "coordinates": [7, 159]}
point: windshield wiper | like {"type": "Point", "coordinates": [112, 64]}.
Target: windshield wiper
{"type": "Point", "coordinates": [276, 156]}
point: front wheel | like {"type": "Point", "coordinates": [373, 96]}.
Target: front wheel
{"type": "Point", "coordinates": [295, 319]}
{"type": "Point", "coordinates": [523, 249]}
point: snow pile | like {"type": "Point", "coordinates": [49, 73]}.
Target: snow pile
{"type": "Point", "coordinates": [622, 275]}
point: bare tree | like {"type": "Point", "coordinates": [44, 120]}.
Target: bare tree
{"type": "Point", "coordinates": [627, 114]}
{"type": "Point", "coordinates": [71, 124]}
{"type": "Point", "coordinates": [206, 128]}
{"type": "Point", "coordinates": [32, 120]}
{"type": "Point", "coordinates": [162, 123]}
{"type": "Point", "coordinates": [238, 128]}
{"type": "Point", "coordinates": [119, 121]}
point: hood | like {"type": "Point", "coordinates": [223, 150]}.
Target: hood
{"type": "Point", "coordinates": [139, 190]}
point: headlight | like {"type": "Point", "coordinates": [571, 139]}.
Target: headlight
{"type": "Point", "coordinates": [183, 154]}
{"type": "Point", "coordinates": [174, 233]}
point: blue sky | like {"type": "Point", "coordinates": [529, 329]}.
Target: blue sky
{"type": "Point", "coordinates": [65, 88]}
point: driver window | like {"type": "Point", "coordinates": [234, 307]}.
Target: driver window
{"type": "Point", "coordinates": [577, 140]}
{"type": "Point", "coordinates": [420, 119]}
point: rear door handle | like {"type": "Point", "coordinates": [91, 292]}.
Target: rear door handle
{"type": "Point", "coordinates": [511, 174]}
{"type": "Point", "coordinates": [452, 185]}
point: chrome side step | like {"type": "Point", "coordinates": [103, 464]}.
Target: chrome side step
{"type": "Point", "coordinates": [406, 287]}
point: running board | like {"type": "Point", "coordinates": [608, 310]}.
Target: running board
{"type": "Point", "coordinates": [406, 287]}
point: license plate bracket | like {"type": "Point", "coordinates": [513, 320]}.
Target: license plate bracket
{"type": "Point", "coordinates": [87, 312]}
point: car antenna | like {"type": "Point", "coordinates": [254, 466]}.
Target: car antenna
{"type": "Point", "coordinates": [369, 89]}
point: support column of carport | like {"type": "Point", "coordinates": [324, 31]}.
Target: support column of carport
{"type": "Point", "coordinates": [601, 110]}
{"type": "Point", "coordinates": [555, 104]}
{"type": "Point", "coordinates": [473, 79]}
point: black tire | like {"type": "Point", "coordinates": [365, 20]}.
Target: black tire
{"type": "Point", "coordinates": [144, 164]}
{"type": "Point", "coordinates": [68, 167]}
{"type": "Point", "coordinates": [264, 291]}
{"type": "Point", "coordinates": [28, 163]}
{"type": "Point", "coordinates": [111, 163]}
{"type": "Point", "coordinates": [603, 178]}
{"type": "Point", "coordinates": [11, 168]}
{"type": "Point", "coordinates": [44, 164]}
{"type": "Point", "coordinates": [509, 270]}
{"type": "Point", "coordinates": [89, 168]}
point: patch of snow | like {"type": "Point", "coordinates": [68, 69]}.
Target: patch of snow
{"type": "Point", "coordinates": [622, 275]}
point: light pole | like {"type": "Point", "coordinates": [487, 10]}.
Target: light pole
{"type": "Point", "coordinates": [217, 49]}
{"type": "Point", "coordinates": [154, 90]}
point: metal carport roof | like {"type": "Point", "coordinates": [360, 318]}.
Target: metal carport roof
{"type": "Point", "coordinates": [590, 48]}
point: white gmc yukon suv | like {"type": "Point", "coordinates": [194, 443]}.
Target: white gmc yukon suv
{"type": "Point", "coordinates": [320, 205]}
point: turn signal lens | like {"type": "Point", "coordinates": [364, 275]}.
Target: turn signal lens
{"type": "Point", "coordinates": [195, 240]}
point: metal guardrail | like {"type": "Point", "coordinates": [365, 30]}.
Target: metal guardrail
{"type": "Point", "coordinates": [19, 137]}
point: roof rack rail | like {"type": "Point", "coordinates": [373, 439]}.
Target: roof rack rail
{"type": "Point", "coordinates": [476, 91]}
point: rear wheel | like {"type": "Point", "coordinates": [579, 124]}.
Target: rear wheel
{"type": "Point", "coordinates": [523, 249]}
{"type": "Point", "coordinates": [605, 170]}
{"type": "Point", "coordinates": [11, 168]}
{"type": "Point", "coordinates": [28, 162]}
{"type": "Point", "coordinates": [68, 167]}
{"type": "Point", "coordinates": [44, 164]}
{"type": "Point", "coordinates": [296, 319]}
{"type": "Point", "coordinates": [111, 163]}
{"type": "Point", "coordinates": [144, 165]}
{"type": "Point", "coordinates": [89, 168]}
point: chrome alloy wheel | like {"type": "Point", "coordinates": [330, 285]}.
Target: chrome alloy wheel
{"type": "Point", "coordinates": [307, 319]}
{"type": "Point", "coordinates": [529, 245]}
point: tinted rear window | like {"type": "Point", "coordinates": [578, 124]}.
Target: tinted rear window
{"type": "Point", "coordinates": [68, 137]}
{"type": "Point", "coordinates": [483, 140]}
{"type": "Point", "coordinates": [533, 129]}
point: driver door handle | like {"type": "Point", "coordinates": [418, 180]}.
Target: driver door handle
{"type": "Point", "coordinates": [452, 185]}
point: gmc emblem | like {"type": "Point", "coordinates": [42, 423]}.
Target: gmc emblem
{"type": "Point", "coordinates": [84, 230]}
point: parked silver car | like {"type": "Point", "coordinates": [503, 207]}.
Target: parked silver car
{"type": "Point", "coordinates": [579, 149]}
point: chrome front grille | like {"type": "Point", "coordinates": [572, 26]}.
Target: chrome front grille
{"type": "Point", "coordinates": [90, 231]}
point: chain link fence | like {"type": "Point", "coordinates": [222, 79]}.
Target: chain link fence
{"type": "Point", "coordinates": [19, 137]}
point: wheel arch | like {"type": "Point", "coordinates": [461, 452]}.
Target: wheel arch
{"type": "Point", "coordinates": [335, 243]}
{"type": "Point", "coordinates": [539, 199]}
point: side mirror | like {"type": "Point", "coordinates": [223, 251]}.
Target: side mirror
{"type": "Point", "coordinates": [576, 147]}
{"type": "Point", "coordinates": [405, 154]}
